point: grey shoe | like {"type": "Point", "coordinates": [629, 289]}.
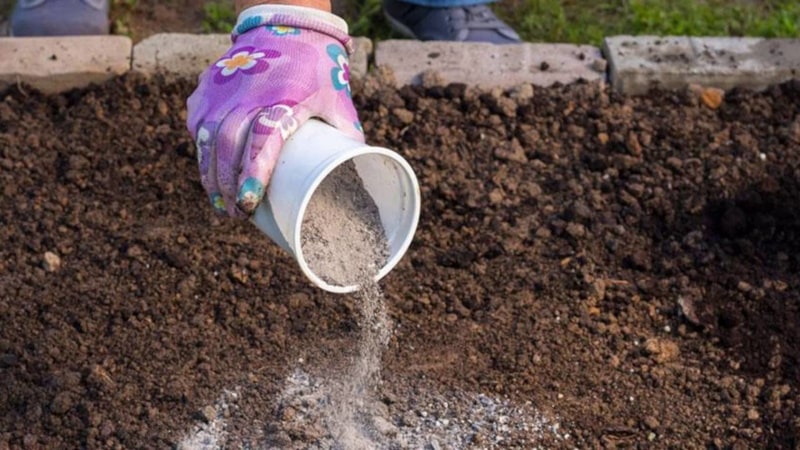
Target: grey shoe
{"type": "Point", "coordinates": [475, 23]}
{"type": "Point", "coordinates": [59, 17]}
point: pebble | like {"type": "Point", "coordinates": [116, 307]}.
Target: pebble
{"type": "Point", "coordinates": [532, 189]}
{"type": "Point", "coordinates": [651, 422]}
{"type": "Point", "coordinates": [576, 230]}
{"type": "Point", "coordinates": [633, 144]}
{"type": "Point", "coordinates": [52, 262]}
{"type": "Point", "coordinates": [404, 115]}
{"type": "Point", "coordinates": [662, 350]}
{"type": "Point", "coordinates": [513, 152]}
{"type": "Point", "coordinates": [674, 163]}
{"type": "Point", "coordinates": [496, 196]}
{"type": "Point", "coordinates": [581, 210]}
{"type": "Point", "coordinates": [636, 189]}
{"type": "Point", "coordinates": [239, 274]}
{"type": "Point", "coordinates": [712, 97]}
{"type": "Point", "coordinates": [521, 92]}
{"type": "Point", "coordinates": [162, 108]}
{"type": "Point", "coordinates": [507, 106]}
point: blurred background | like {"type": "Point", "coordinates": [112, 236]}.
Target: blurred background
{"type": "Point", "coordinates": [573, 21]}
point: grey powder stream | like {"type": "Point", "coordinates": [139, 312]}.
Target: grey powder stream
{"type": "Point", "coordinates": [344, 243]}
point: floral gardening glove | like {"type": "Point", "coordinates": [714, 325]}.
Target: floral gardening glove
{"type": "Point", "coordinates": [287, 64]}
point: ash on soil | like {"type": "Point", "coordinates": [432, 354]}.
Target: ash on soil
{"type": "Point", "coordinates": [628, 266]}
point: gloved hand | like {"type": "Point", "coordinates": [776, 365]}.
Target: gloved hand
{"type": "Point", "coordinates": [287, 64]}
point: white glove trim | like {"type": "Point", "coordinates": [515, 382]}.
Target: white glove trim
{"type": "Point", "coordinates": [300, 12]}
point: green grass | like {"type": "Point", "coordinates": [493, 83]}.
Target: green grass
{"type": "Point", "coordinates": [588, 21]}
{"type": "Point", "coordinates": [778, 19]}
{"type": "Point", "coordinates": [5, 8]}
{"type": "Point", "coordinates": [120, 14]}
{"type": "Point", "coordinates": [575, 21]}
{"type": "Point", "coordinates": [219, 17]}
{"type": "Point", "coordinates": [368, 19]}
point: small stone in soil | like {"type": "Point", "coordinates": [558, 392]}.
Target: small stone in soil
{"type": "Point", "coordinates": [52, 262]}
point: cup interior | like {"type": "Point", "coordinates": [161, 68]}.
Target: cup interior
{"type": "Point", "coordinates": [391, 183]}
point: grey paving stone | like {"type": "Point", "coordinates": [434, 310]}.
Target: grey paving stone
{"type": "Point", "coordinates": [56, 64]}
{"type": "Point", "coordinates": [178, 54]}
{"type": "Point", "coordinates": [637, 63]}
{"type": "Point", "coordinates": [187, 55]}
{"type": "Point", "coordinates": [359, 61]}
{"type": "Point", "coordinates": [488, 65]}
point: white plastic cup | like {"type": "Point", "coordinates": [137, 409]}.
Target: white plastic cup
{"type": "Point", "coordinates": [309, 156]}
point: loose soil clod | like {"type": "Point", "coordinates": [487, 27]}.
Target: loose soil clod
{"type": "Point", "coordinates": [599, 278]}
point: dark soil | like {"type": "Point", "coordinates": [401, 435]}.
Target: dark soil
{"type": "Point", "coordinates": [626, 266]}
{"type": "Point", "coordinates": [143, 18]}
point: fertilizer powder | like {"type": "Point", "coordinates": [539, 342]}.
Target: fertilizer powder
{"type": "Point", "coordinates": [344, 243]}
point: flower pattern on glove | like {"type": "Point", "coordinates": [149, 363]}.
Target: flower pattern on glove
{"type": "Point", "coordinates": [340, 75]}
{"type": "Point", "coordinates": [278, 117]}
{"type": "Point", "coordinates": [246, 60]}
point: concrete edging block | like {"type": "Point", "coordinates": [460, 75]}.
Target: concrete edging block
{"type": "Point", "coordinates": [637, 63]}
{"type": "Point", "coordinates": [359, 60]}
{"type": "Point", "coordinates": [634, 64]}
{"type": "Point", "coordinates": [489, 65]}
{"type": "Point", "coordinates": [188, 55]}
{"type": "Point", "coordinates": [57, 64]}
{"type": "Point", "coordinates": [178, 54]}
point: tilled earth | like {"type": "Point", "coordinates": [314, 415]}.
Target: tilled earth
{"type": "Point", "coordinates": [590, 271]}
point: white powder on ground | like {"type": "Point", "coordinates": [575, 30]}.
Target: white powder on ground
{"type": "Point", "coordinates": [344, 243]}
{"type": "Point", "coordinates": [212, 434]}
{"type": "Point", "coordinates": [431, 419]}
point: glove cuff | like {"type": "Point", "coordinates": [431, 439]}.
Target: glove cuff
{"type": "Point", "coordinates": [294, 17]}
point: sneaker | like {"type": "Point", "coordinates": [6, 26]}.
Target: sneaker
{"type": "Point", "coordinates": [474, 23]}
{"type": "Point", "coordinates": [59, 17]}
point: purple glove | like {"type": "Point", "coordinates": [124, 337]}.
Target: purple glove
{"type": "Point", "coordinates": [287, 64]}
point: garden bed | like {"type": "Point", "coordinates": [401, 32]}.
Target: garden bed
{"type": "Point", "coordinates": [589, 271]}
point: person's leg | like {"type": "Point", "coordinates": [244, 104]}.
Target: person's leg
{"type": "Point", "coordinates": [448, 20]}
{"type": "Point", "coordinates": [59, 17]}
